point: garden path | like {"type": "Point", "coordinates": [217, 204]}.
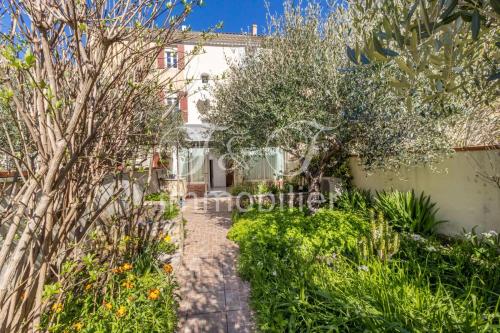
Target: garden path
{"type": "Point", "coordinates": [213, 297]}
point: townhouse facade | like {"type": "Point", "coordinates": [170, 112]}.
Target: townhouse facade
{"type": "Point", "coordinates": [198, 164]}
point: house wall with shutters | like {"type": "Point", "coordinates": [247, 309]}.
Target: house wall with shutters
{"type": "Point", "coordinates": [212, 61]}
{"type": "Point", "coordinates": [175, 75]}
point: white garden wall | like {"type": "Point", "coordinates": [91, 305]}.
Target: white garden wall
{"type": "Point", "coordinates": [459, 185]}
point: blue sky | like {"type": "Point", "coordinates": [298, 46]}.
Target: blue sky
{"type": "Point", "coordinates": [237, 15]}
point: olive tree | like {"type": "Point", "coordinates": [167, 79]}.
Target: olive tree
{"type": "Point", "coordinates": [445, 50]}
{"type": "Point", "coordinates": [300, 92]}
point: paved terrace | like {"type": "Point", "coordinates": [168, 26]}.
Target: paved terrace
{"type": "Point", "coordinates": [214, 298]}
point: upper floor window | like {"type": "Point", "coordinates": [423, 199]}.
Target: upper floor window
{"type": "Point", "coordinates": [171, 58]}
{"type": "Point", "coordinates": [173, 103]}
{"type": "Point", "coordinates": [204, 78]}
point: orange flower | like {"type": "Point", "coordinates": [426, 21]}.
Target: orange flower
{"type": "Point", "coordinates": [121, 311]}
{"type": "Point", "coordinates": [77, 326]}
{"type": "Point", "coordinates": [126, 267]}
{"type": "Point", "coordinates": [107, 305]}
{"type": "Point", "coordinates": [57, 307]}
{"type": "Point", "coordinates": [167, 268]}
{"type": "Point", "coordinates": [154, 294]}
{"type": "Point", "coordinates": [127, 285]}
{"type": "Point", "coordinates": [88, 286]}
{"type": "Point", "coordinates": [117, 270]}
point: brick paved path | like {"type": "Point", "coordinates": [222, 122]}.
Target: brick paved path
{"type": "Point", "coordinates": [213, 297]}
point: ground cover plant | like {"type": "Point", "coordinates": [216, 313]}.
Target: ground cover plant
{"type": "Point", "coordinates": [137, 295]}
{"type": "Point", "coordinates": [315, 273]}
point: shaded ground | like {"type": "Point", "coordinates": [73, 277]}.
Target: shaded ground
{"type": "Point", "coordinates": [214, 299]}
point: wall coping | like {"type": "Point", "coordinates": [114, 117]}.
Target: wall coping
{"type": "Point", "coordinates": [464, 149]}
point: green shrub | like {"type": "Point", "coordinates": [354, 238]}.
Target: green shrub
{"type": "Point", "coordinates": [355, 200]}
{"type": "Point", "coordinates": [255, 188]}
{"type": "Point", "coordinates": [267, 188]}
{"type": "Point", "coordinates": [409, 212]}
{"type": "Point", "coordinates": [159, 196]}
{"type": "Point", "coordinates": [171, 208]}
{"type": "Point", "coordinates": [171, 211]}
{"type": "Point", "coordinates": [248, 188]}
{"type": "Point", "coordinates": [306, 275]}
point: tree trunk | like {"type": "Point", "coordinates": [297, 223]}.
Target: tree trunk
{"type": "Point", "coordinates": [315, 198]}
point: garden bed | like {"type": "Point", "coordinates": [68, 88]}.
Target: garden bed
{"type": "Point", "coordinates": [127, 286]}
{"type": "Point", "coordinates": [342, 271]}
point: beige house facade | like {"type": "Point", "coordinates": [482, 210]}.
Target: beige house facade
{"type": "Point", "coordinates": [194, 66]}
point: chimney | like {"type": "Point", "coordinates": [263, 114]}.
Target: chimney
{"type": "Point", "coordinates": [254, 29]}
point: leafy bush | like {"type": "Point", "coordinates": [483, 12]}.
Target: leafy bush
{"type": "Point", "coordinates": [355, 200]}
{"type": "Point", "coordinates": [171, 211]}
{"type": "Point", "coordinates": [307, 275]}
{"type": "Point", "coordinates": [158, 196]}
{"type": "Point", "coordinates": [409, 212]}
{"type": "Point", "coordinates": [249, 188]}
{"type": "Point", "coordinates": [137, 296]}
{"type": "Point", "coordinates": [171, 208]}
{"type": "Point", "coordinates": [255, 188]}
{"type": "Point", "coordinates": [267, 188]}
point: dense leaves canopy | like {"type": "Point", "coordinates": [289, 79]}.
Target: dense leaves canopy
{"type": "Point", "coordinates": [300, 92]}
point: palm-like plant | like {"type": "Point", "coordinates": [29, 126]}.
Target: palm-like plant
{"type": "Point", "coordinates": [408, 211]}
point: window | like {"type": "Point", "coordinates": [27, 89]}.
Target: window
{"type": "Point", "coordinates": [265, 168]}
{"type": "Point", "coordinates": [171, 59]}
{"type": "Point", "coordinates": [204, 78]}
{"type": "Point", "coordinates": [192, 164]}
{"type": "Point", "coordinates": [173, 103]}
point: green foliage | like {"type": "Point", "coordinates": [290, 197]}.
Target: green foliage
{"type": "Point", "coordinates": [302, 95]}
{"type": "Point", "coordinates": [443, 49]}
{"type": "Point", "coordinates": [171, 211]}
{"type": "Point", "coordinates": [171, 208]}
{"type": "Point", "coordinates": [249, 188]}
{"type": "Point", "coordinates": [468, 264]}
{"type": "Point", "coordinates": [159, 196]}
{"type": "Point", "coordinates": [306, 276]}
{"type": "Point", "coordinates": [255, 188]}
{"type": "Point", "coordinates": [409, 212]}
{"type": "Point", "coordinates": [382, 241]}
{"type": "Point", "coordinates": [403, 210]}
{"type": "Point", "coordinates": [355, 200]}
{"type": "Point", "coordinates": [267, 188]}
{"type": "Point", "coordinates": [139, 297]}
